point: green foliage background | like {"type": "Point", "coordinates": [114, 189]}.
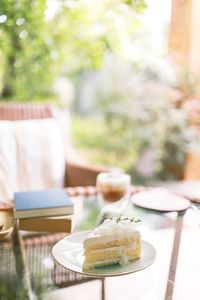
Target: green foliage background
{"type": "Point", "coordinates": [25, 53]}
{"type": "Point", "coordinates": [35, 49]}
{"type": "Point", "coordinates": [98, 143]}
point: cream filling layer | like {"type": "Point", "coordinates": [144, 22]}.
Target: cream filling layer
{"type": "Point", "coordinates": [98, 241]}
{"type": "Point", "coordinates": [120, 253]}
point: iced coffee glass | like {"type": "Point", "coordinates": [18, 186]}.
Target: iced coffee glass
{"type": "Point", "coordinates": [113, 186]}
{"type": "Point", "coordinates": [113, 194]}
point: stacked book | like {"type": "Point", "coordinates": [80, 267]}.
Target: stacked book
{"type": "Point", "coordinates": [44, 210]}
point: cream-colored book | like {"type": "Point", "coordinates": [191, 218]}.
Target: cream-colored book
{"type": "Point", "coordinates": [50, 224]}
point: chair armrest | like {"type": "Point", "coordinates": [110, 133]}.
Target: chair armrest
{"type": "Point", "coordinates": [83, 174]}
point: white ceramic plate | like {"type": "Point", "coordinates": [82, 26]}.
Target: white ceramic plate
{"type": "Point", "coordinates": [160, 199]}
{"type": "Point", "coordinates": [68, 252]}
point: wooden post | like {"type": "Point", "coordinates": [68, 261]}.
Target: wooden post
{"type": "Point", "coordinates": [184, 41]}
{"type": "Point", "coordinates": [184, 44]}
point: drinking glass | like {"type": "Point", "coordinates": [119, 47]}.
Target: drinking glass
{"type": "Point", "coordinates": [113, 192]}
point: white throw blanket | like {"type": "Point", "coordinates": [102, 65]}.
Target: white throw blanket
{"type": "Point", "coordinates": [32, 156]}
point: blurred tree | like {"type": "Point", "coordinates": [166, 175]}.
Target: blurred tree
{"type": "Point", "coordinates": [26, 53]}
{"type": "Point", "coordinates": [149, 136]}
{"type": "Point", "coordinates": [41, 39]}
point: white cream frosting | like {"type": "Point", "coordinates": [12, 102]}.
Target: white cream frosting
{"type": "Point", "coordinates": [111, 227]}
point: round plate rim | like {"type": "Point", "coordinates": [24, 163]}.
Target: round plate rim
{"type": "Point", "coordinates": [102, 275]}
{"type": "Point", "coordinates": [160, 209]}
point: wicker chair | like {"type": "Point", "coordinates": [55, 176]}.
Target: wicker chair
{"type": "Point", "coordinates": [78, 174]}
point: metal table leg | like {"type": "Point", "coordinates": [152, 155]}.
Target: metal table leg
{"type": "Point", "coordinates": [22, 271]}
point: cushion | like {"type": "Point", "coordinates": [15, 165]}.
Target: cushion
{"type": "Point", "coordinates": [32, 156]}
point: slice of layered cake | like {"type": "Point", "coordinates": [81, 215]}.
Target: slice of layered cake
{"type": "Point", "coordinates": [117, 240]}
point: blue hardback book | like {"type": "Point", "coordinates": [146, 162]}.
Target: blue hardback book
{"type": "Point", "coordinates": [42, 203]}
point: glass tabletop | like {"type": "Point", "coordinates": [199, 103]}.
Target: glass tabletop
{"type": "Point", "coordinates": [89, 213]}
{"type": "Point", "coordinates": [157, 228]}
